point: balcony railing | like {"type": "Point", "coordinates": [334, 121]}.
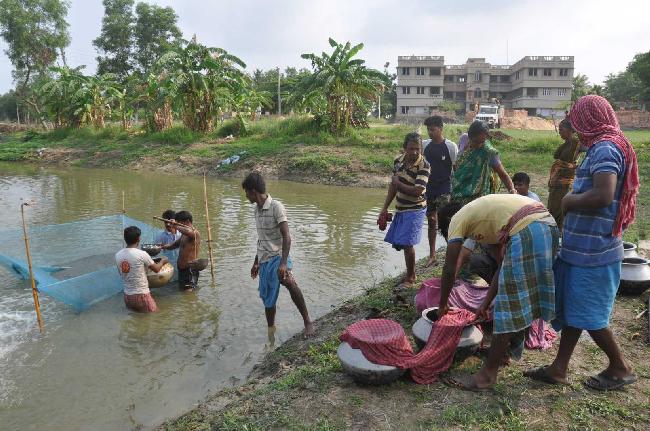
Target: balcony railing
{"type": "Point", "coordinates": [421, 57]}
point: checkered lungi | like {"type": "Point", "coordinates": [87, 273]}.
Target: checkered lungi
{"type": "Point", "coordinates": [526, 284]}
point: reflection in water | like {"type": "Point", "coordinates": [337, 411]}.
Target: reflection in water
{"type": "Point", "coordinates": [108, 368]}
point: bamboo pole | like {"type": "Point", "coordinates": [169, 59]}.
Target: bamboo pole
{"type": "Point", "coordinates": [123, 206]}
{"type": "Point", "coordinates": [37, 305]}
{"type": "Point", "coordinates": [207, 222]}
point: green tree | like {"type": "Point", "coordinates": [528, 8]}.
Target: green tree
{"type": "Point", "coordinates": [341, 89]}
{"type": "Point", "coordinates": [202, 81]}
{"type": "Point", "coordinates": [115, 42]}
{"type": "Point", "coordinates": [155, 33]}
{"type": "Point", "coordinates": [8, 106]}
{"type": "Point", "coordinates": [580, 87]}
{"type": "Point", "coordinates": [36, 34]}
{"type": "Point", "coordinates": [623, 86]}
{"type": "Point", "coordinates": [640, 67]}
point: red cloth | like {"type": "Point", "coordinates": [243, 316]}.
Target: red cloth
{"type": "Point", "coordinates": [540, 336]}
{"type": "Point", "coordinates": [594, 119]}
{"type": "Point", "coordinates": [142, 303]}
{"type": "Point", "coordinates": [469, 297]}
{"type": "Point", "coordinates": [384, 342]}
{"type": "Point", "coordinates": [383, 220]}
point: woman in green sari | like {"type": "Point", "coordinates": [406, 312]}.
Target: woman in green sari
{"type": "Point", "coordinates": [478, 167]}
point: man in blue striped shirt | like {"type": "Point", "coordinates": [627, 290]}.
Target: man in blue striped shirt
{"type": "Point", "coordinates": [588, 267]}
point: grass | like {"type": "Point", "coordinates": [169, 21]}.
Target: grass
{"type": "Point", "coordinates": [293, 148]}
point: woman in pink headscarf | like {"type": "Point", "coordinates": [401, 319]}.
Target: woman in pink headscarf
{"type": "Point", "coordinates": [588, 267]}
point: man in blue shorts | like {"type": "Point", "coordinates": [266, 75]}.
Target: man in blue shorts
{"type": "Point", "coordinates": [272, 262]}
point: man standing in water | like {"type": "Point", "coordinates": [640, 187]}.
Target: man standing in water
{"type": "Point", "coordinates": [441, 154]}
{"type": "Point", "coordinates": [272, 262]}
{"type": "Point", "coordinates": [189, 244]}
{"type": "Point", "coordinates": [132, 264]}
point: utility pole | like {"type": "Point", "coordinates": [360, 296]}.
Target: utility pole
{"type": "Point", "coordinates": [379, 107]}
{"type": "Point", "coordinates": [279, 97]}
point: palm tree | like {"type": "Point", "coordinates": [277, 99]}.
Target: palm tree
{"type": "Point", "coordinates": [202, 80]}
{"type": "Point", "coordinates": [341, 88]}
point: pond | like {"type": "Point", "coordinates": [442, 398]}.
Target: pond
{"type": "Point", "coordinates": [108, 368]}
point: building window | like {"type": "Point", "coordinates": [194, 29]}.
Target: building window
{"type": "Point", "coordinates": [434, 91]}
{"type": "Point", "coordinates": [548, 71]}
{"type": "Point", "coordinates": [460, 96]}
{"type": "Point", "coordinates": [531, 92]}
{"type": "Point", "coordinates": [419, 70]}
{"type": "Point", "coordinates": [405, 110]}
{"type": "Point", "coordinates": [532, 71]}
{"type": "Point", "coordinates": [494, 78]}
{"type": "Point", "coordinates": [461, 79]}
{"type": "Point", "coordinates": [449, 78]}
{"type": "Point", "coordinates": [564, 72]}
{"type": "Point", "coordinates": [406, 90]}
{"type": "Point", "coordinates": [419, 90]}
{"type": "Point", "coordinates": [561, 91]}
{"type": "Point", "coordinates": [504, 78]}
{"type": "Point", "coordinates": [405, 71]}
{"type": "Point", "coordinates": [448, 95]}
{"type": "Point", "coordinates": [434, 71]}
{"type": "Point", "coordinates": [517, 75]}
{"type": "Point", "coordinates": [477, 93]}
{"type": "Point", "coordinates": [477, 76]}
{"type": "Point", "coordinates": [546, 91]}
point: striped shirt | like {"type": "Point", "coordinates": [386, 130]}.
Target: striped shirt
{"type": "Point", "coordinates": [587, 234]}
{"type": "Point", "coordinates": [416, 174]}
{"type": "Point", "coordinates": [269, 237]}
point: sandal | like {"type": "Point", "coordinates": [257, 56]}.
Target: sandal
{"type": "Point", "coordinates": [601, 382]}
{"type": "Point", "coordinates": [541, 374]}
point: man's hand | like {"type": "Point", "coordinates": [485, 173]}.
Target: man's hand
{"type": "Point", "coordinates": [444, 309]}
{"type": "Point", "coordinates": [282, 271]}
{"type": "Point", "coordinates": [566, 200]}
{"type": "Point", "coordinates": [255, 269]}
{"type": "Point", "coordinates": [164, 260]}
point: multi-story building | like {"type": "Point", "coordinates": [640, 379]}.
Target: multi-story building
{"type": "Point", "coordinates": [540, 85]}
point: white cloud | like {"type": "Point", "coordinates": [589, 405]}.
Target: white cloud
{"type": "Point", "coordinates": [603, 36]}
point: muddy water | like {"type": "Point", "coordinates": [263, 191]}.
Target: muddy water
{"type": "Point", "coordinates": [107, 368]}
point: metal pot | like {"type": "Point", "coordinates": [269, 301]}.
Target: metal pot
{"type": "Point", "coordinates": [635, 276]}
{"type": "Point", "coordinates": [362, 370]}
{"type": "Point", "coordinates": [162, 277]}
{"type": "Point", "coordinates": [151, 249]}
{"type": "Point", "coordinates": [470, 338]}
{"type": "Point", "coordinates": [629, 249]}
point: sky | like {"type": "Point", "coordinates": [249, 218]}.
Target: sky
{"type": "Point", "coordinates": [603, 36]}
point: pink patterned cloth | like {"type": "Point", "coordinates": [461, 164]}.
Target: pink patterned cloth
{"type": "Point", "coordinates": [594, 119]}
{"type": "Point", "coordinates": [469, 296]}
{"type": "Point", "coordinates": [384, 342]}
{"type": "Point", "coordinates": [142, 303]}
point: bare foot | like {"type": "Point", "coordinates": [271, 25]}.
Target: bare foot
{"type": "Point", "coordinates": [431, 262]}
{"type": "Point", "coordinates": [474, 383]}
{"type": "Point", "coordinates": [309, 330]}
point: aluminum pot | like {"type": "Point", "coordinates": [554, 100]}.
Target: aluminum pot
{"type": "Point", "coordinates": [362, 370]}
{"type": "Point", "coordinates": [162, 277]}
{"type": "Point", "coordinates": [629, 249]}
{"type": "Point", "coordinates": [470, 338]}
{"type": "Point", "coordinates": [635, 276]}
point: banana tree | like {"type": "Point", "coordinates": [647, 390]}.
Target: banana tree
{"type": "Point", "coordinates": [202, 80]}
{"type": "Point", "coordinates": [340, 86]}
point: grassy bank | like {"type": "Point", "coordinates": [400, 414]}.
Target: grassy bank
{"type": "Point", "coordinates": [301, 385]}
{"type": "Point", "coordinates": [288, 149]}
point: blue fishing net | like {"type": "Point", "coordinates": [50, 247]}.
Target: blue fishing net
{"type": "Point", "coordinates": [73, 262]}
